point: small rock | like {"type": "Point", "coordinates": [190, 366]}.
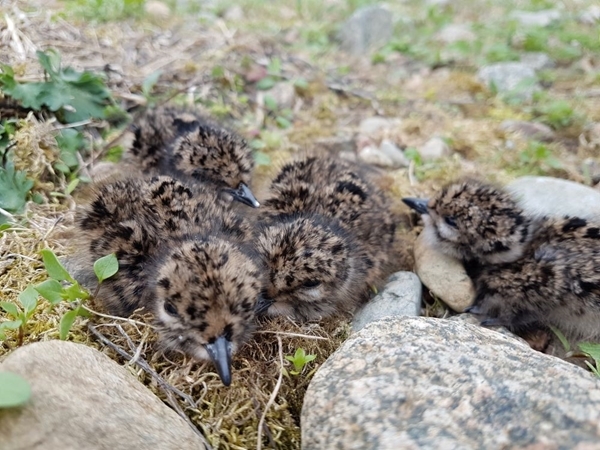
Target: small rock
{"type": "Point", "coordinates": [529, 130]}
{"type": "Point", "coordinates": [514, 78]}
{"type": "Point", "coordinates": [372, 125]}
{"type": "Point", "coordinates": [542, 18]}
{"type": "Point", "coordinates": [444, 276]}
{"type": "Point", "coordinates": [234, 13]}
{"type": "Point", "coordinates": [401, 296]}
{"type": "Point", "coordinates": [336, 145]}
{"type": "Point", "coordinates": [157, 11]}
{"type": "Point", "coordinates": [372, 155]}
{"type": "Point", "coordinates": [537, 60]}
{"type": "Point", "coordinates": [590, 16]}
{"type": "Point", "coordinates": [368, 28]}
{"type": "Point", "coordinates": [455, 33]}
{"type": "Point", "coordinates": [434, 148]}
{"type": "Point", "coordinates": [423, 383]}
{"type": "Point", "coordinates": [554, 197]}
{"type": "Point", "coordinates": [392, 151]}
{"type": "Point", "coordinates": [284, 94]}
{"type": "Point", "coordinates": [81, 399]}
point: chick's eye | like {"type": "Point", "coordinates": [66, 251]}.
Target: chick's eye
{"type": "Point", "coordinates": [450, 220]}
{"type": "Point", "coordinates": [311, 283]}
{"type": "Point", "coordinates": [170, 309]}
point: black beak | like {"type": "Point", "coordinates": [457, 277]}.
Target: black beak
{"type": "Point", "coordinates": [244, 195]}
{"type": "Point", "coordinates": [418, 204]}
{"type": "Point", "coordinates": [262, 305]}
{"type": "Point", "coordinates": [220, 353]}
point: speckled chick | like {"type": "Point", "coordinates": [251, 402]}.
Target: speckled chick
{"type": "Point", "coordinates": [181, 256]}
{"type": "Point", "coordinates": [182, 143]}
{"type": "Point", "coordinates": [343, 191]}
{"type": "Point", "coordinates": [316, 269]}
{"type": "Point", "coordinates": [529, 274]}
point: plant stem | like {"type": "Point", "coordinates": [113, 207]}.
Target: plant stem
{"type": "Point", "coordinates": [20, 337]}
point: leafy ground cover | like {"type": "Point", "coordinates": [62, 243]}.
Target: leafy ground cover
{"type": "Point", "coordinates": [75, 74]}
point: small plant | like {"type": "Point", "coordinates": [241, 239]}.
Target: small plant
{"type": "Point", "coordinates": [299, 360]}
{"type": "Point", "coordinates": [14, 390]}
{"type": "Point", "coordinates": [14, 190]}
{"type": "Point", "coordinates": [558, 114]}
{"type": "Point", "coordinates": [592, 350]}
{"type": "Point", "coordinates": [73, 95]}
{"type": "Point", "coordinates": [538, 158]}
{"type": "Point", "coordinates": [19, 313]}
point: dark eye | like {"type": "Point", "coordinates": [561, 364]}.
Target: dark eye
{"type": "Point", "coordinates": [311, 283]}
{"type": "Point", "coordinates": [450, 220]}
{"type": "Point", "coordinates": [171, 310]}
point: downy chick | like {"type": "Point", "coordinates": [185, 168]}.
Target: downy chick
{"type": "Point", "coordinates": [181, 256]}
{"type": "Point", "coordinates": [343, 191]}
{"type": "Point", "coordinates": [315, 268]}
{"type": "Point", "coordinates": [529, 274]}
{"type": "Point", "coordinates": [182, 143]}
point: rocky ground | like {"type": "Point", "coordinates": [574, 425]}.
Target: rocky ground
{"type": "Point", "coordinates": [427, 91]}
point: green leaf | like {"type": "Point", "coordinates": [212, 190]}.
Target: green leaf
{"type": "Point", "coordinates": [72, 185]}
{"type": "Point", "coordinates": [29, 300]}
{"type": "Point", "coordinates": [106, 267]}
{"type": "Point", "coordinates": [9, 325]}
{"type": "Point", "coordinates": [591, 349]}
{"type": "Point", "coordinates": [270, 102]}
{"type": "Point", "coordinates": [51, 290]}
{"type": "Point", "coordinates": [14, 188]}
{"type": "Point", "coordinates": [66, 322]}
{"type": "Point", "coordinates": [262, 159]}
{"type": "Point", "coordinates": [69, 142]}
{"type": "Point", "coordinates": [266, 83]}
{"type": "Point", "coordinates": [14, 390]}
{"type": "Point", "coordinates": [149, 82]}
{"type": "Point", "coordinates": [10, 308]}
{"type": "Point", "coordinates": [283, 122]}
{"type": "Point", "coordinates": [54, 268]}
{"type": "Point", "coordinates": [561, 337]}
{"type": "Point", "coordinates": [75, 292]}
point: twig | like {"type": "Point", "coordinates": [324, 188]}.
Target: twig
{"type": "Point", "coordinates": [74, 124]}
{"type": "Point", "coordinates": [261, 423]}
{"type": "Point", "coordinates": [162, 384]}
{"type": "Point", "coordinates": [411, 173]}
{"type": "Point", "coordinates": [7, 214]}
{"type": "Point", "coordinates": [124, 319]}
{"type": "Point", "coordinates": [284, 333]}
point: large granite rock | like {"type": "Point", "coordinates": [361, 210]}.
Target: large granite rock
{"type": "Point", "coordinates": [401, 296]}
{"type": "Point", "coordinates": [438, 384]}
{"type": "Point", "coordinates": [513, 79]}
{"type": "Point", "coordinates": [81, 399]}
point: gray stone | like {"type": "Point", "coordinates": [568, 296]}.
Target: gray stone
{"type": "Point", "coordinates": [537, 60]}
{"type": "Point", "coordinates": [512, 78]}
{"type": "Point", "coordinates": [591, 16]}
{"type": "Point", "coordinates": [391, 150]}
{"type": "Point", "coordinates": [372, 125]}
{"type": "Point", "coordinates": [157, 11]}
{"type": "Point", "coordinates": [542, 18]}
{"type": "Point", "coordinates": [529, 130]}
{"type": "Point", "coordinates": [81, 399]}
{"type": "Point", "coordinates": [416, 382]}
{"type": "Point", "coordinates": [443, 275]}
{"type": "Point", "coordinates": [368, 28]}
{"type": "Point", "coordinates": [434, 148]}
{"type": "Point", "coordinates": [554, 197]}
{"type": "Point", "coordinates": [372, 155]}
{"type": "Point", "coordinates": [235, 13]}
{"type": "Point", "coordinates": [455, 33]}
{"type": "Point", "coordinates": [401, 296]}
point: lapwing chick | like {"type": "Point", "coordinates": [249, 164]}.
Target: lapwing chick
{"type": "Point", "coordinates": [182, 143]}
{"type": "Point", "coordinates": [180, 257]}
{"type": "Point", "coordinates": [342, 191]}
{"type": "Point", "coordinates": [529, 274]}
{"type": "Point", "coordinates": [315, 268]}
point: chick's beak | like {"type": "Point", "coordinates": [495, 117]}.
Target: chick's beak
{"type": "Point", "coordinates": [418, 204]}
{"type": "Point", "coordinates": [220, 354]}
{"type": "Point", "coordinates": [244, 195]}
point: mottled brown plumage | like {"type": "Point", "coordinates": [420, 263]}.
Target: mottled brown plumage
{"type": "Point", "coordinates": [182, 143]}
{"type": "Point", "coordinates": [316, 269]}
{"type": "Point", "coordinates": [181, 256]}
{"type": "Point", "coordinates": [528, 273]}
{"type": "Point", "coordinates": [343, 191]}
